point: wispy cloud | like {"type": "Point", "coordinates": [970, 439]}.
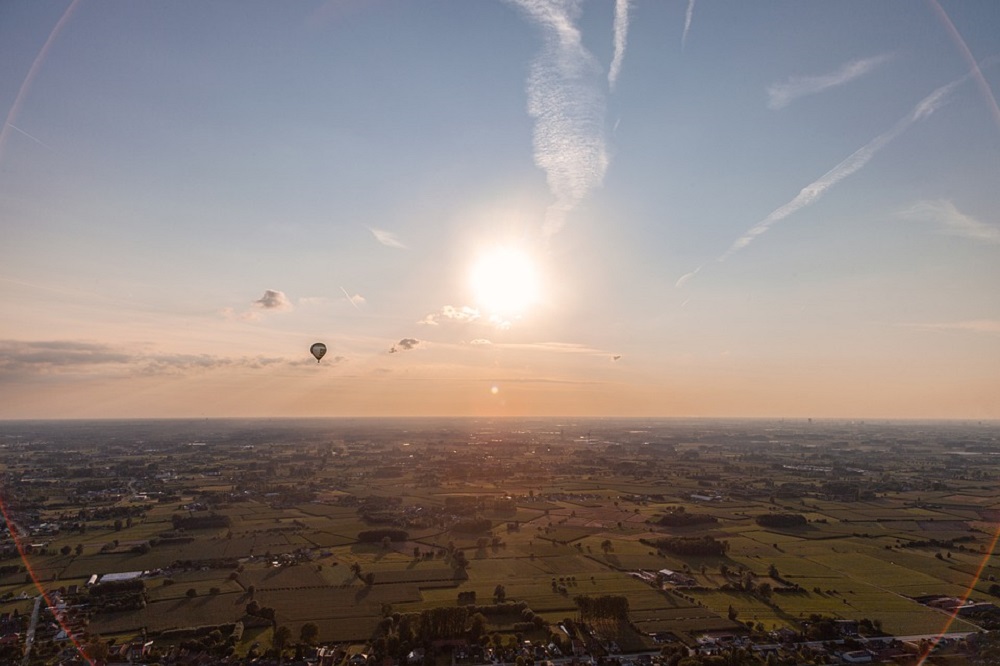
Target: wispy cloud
{"type": "Point", "coordinates": [480, 342]}
{"type": "Point", "coordinates": [682, 280]}
{"type": "Point", "coordinates": [620, 41]}
{"type": "Point", "coordinates": [688, 15]}
{"type": "Point", "coordinates": [450, 313]}
{"type": "Point", "coordinates": [951, 221]}
{"type": "Point", "coordinates": [812, 192]}
{"type": "Point", "coordinates": [273, 300]}
{"type": "Point", "coordinates": [780, 95]}
{"type": "Point", "coordinates": [387, 238]}
{"type": "Point", "coordinates": [27, 358]}
{"type": "Point", "coordinates": [53, 355]}
{"type": "Point", "coordinates": [988, 326]}
{"type": "Point", "coordinates": [552, 347]}
{"type": "Point", "coordinates": [567, 101]}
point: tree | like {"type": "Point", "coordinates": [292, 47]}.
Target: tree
{"type": "Point", "coordinates": [356, 569]}
{"type": "Point", "coordinates": [500, 594]}
{"type": "Point", "coordinates": [191, 593]}
{"type": "Point", "coordinates": [606, 546]}
{"type": "Point", "coordinates": [251, 590]}
{"type": "Point", "coordinates": [369, 578]}
{"type": "Point", "coordinates": [478, 627]}
{"type": "Point", "coordinates": [309, 633]}
{"type": "Point", "coordinates": [79, 549]}
{"type": "Point", "coordinates": [118, 525]}
{"type": "Point", "coordinates": [65, 550]}
{"type": "Point", "coordinates": [281, 637]}
{"type": "Point", "coordinates": [96, 649]}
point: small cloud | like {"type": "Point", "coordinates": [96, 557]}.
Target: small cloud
{"type": "Point", "coordinates": [780, 95]}
{"type": "Point", "coordinates": [463, 314]}
{"type": "Point", "coordinates": [273, 300]}
{"type": "Point", "coordinates": [480, 342]}
{"type": "Point", "coordinates": [616, 357]}
{"type": "Point", "coordinates": [387, 238]}
{"type": "Point", "coordinates": [951, 221]}
{"type": "Point", "coordinates": [404, 345]}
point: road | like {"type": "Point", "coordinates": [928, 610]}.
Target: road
{"type": "Point", "coordinates": [30, 637]}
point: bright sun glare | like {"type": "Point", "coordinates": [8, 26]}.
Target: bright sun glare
{"type": "Point", "coordinates": [505, 282]}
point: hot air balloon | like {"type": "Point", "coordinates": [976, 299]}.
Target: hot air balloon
{"type": "Point", "coordinates": [318, 350]}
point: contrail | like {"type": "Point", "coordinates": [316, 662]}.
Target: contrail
{"type": "Point", "coordinates": [349, 299]}
{"type": "Point", "coordinates": [30, 76]}
{"type": "Point", "coordinates": [33, 138]}
{"type": "Point", "coordinates": [810, 193]}
{"type": "Point", "coordinates": [621, 40]}
{"type": "Point", "coordinates": [566, 99]}
{"type": "Point", "coordinates": [688, 15]}
{"type": "Point", "coordinates": [977, 72]}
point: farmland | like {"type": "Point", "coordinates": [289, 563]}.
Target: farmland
{"type": "Point", "coordinates": [351, 525]}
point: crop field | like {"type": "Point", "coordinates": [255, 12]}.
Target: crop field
{"type": "Point", "coordinates": [852, 547]}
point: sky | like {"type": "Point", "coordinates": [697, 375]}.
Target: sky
{"type": "Point", "coordinates": [709, 208]}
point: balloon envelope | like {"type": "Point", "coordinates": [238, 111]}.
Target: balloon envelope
{"type": "Point", "coordinates": [318, 350]}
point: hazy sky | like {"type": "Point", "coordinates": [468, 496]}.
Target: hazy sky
{"type": "Point", "coordinates": [524, 207]}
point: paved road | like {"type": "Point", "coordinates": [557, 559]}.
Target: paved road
{"type": "Point", "coordinates": [30, 638]}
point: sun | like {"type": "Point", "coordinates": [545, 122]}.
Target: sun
{"type": "Point", "coordinates": [505, 282]}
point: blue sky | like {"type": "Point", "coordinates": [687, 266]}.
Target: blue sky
{"type": "Point", "coordinates": [714, 208]}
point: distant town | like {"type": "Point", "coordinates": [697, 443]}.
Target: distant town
{"type": "Point", "coordinates": [400, 542]}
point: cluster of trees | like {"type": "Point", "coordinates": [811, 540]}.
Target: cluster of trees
{"type": "Point", "coordinates": [681, 518]}
{"type": "Point", "coordinates": [199, 522]}
{"type": "Point", "coordinates": [376, 536]}
{"type": "Point", "coordinates": [781, 520]}
{"type": "Point", "coordinates": [254, 609]}
{"type": "Point", "coordinates": [472, 525]}
{"type": "Point", "coordinates": [607, 607]}
{"type": "Point", "coordinates": [698, 546]}
{"type": "Point", "coordinates": [123, 595]}
{"type": "Point", "coordinates": [940, 543]}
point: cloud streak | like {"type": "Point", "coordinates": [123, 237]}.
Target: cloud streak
{"type": "Point", "coordinates": [620, 41]}
{"type": "Point", "coordinates": [387, 238]}
{"type": "Point", "coordinates": [688, 15]}
{"type": "Point", "coordinates": [567, 102]}
{"type": "Point", "coordinates": [780, 95]}
{"type": "Point", "coordinates": [986, 326]}
{"type": "Point", "coordinates": [35, 358]}
{"type": "Point", "coordinates": [813, 191]}
{"type": "Point", "coordinates": [682, 280]}
{"type": "Point", "coordinates": [951, 221]}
